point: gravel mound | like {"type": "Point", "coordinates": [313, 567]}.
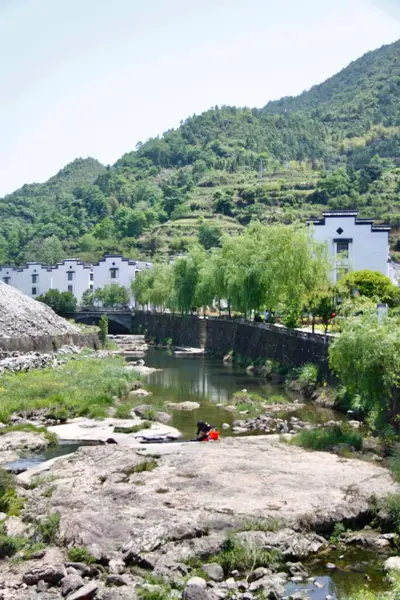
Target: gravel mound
{"type": "Point", "coordinates": [21, 316]}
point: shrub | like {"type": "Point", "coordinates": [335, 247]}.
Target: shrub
{"type": "Point", "coordinates": [243, 557]}
{"type": "Point", "coordinates": [394, 462]}
{"type": "Point", "coordinates": [81, 554]}
{"type": "Point", "coordinates": [325, 438]}
{"type": "Point", "coordinates": [391, 505]}
{"type": "Point", "coordinates": [48, 528]}
{"type": "Point", "coordinates": [308, 375]}
{"type": "Point", "coordinates": [103, 326]}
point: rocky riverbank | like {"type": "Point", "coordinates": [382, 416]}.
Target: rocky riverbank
{"type": "Point", "coordinates": [151, 516]}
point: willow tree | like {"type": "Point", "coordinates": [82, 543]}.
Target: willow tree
{"type": "Point", "coordinates": [272, 266]}
{"type": "Point", "coordinates": [154, 286]}
{"type": "Point", "coordinates": [186, 272]}
{"type": "Point", "coordinates": [366, 357]}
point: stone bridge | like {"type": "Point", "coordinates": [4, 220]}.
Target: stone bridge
{"type": "Point", "coordinates": [119, 321]}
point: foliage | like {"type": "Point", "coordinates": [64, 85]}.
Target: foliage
{"type": "Point", "coordinates": [61, 302]}
{"type": "Point", "coordinates": [308, 375]}
{"type": "Point", "coordinates": [48, 528]}
{"type": "Point", "coordinates": [83, 387]}
{"type": "Point", "coordinates": [112, 295]}
{"type": "Point", "coordinates": [50, 436]}
{"type": "Point", "coordinates": [153, 286]}
{"type": "Point", "coordinates": [338, 531]}
{"type": "Point", "coordinates": [371, 284]}
{"type": "Point", "coordinates": [330, 147]}
{"type": "Point", "coordinates": [103, 329]}
{"type": "Point", "coordinates": [80, 554]}
{"type": "Point", "coordinates": [391, 506]}
{"type": "Point", "coordinates": [394, 462]}
{"type": "Point", "coordinates": [243, 557]}
{"type": "Point", "coordinates": [321, 304]}
{"type": "Point", "coordinates": [366, 357]}
{"type": "Point", "coordinates": [326, 438]}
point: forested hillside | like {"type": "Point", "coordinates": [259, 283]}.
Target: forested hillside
{"type": "Point", "coordinates": [336, 146]}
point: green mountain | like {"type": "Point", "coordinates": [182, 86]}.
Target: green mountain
{"type": "Point", "coordinates": [334, 146]}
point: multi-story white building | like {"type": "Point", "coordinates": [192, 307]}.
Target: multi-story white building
{"type": "Point", "coordinates": [353, 244]}
{"type": "Point", "coordinates": [72, 275]}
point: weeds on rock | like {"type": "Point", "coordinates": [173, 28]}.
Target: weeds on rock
{"type": "Point", "coordinates": [391, 505]}
{"type": "Point", "coordinates": [81, 554]}
{"type": "Point", "coordinates": [394, 462]}
{"type": "Point", "coordinates": [50, 437]}
{"type": "Point", "coordinates": [41, 480]}
{"type": "Point", "coordinates": [338, 531]}
{"type": "Point", "coordinates": [10, 502]}
{"type": "Point", "coordinates": [244, 557]}
{"type": "Point", "coordinates": [308, 375]}
{"type": "Point", "coordinates": [134, 428]}
{"type": "Point", "coordinates": [326, 438]}
{"type": "Point", "coordinates": [262, 524]}
{"type": "Point", "coordinates": [47, 530]}
{"type": "Point", "coordinates": [142, 467]}
{"type": "Point", "coordinates": [10, 545]}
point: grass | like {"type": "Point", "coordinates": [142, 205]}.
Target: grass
{"type": "Point", "coordinates": [81, 387]}
{"type": "Point", "coordinates": [50, 437]}
{"type": "Point", "coordinates": [244, 557]}
{"type": "Point", "coordinates": [325, 438]}
{"type": "Point", "coordinates": [391, 506]}
{"type": "Point", "coordinates": [47, 530]}
{"type": "Point", "coordinates": [80, 554]}
{"type": "Point", "coordinates": [394, 462]}
{"type": "Point", "coordinates": [10, 502]}
{"type": "Point", "coordinates": [265, 524]}
{"type": "Point", "coordinates": [134, 428]}
{"type": "Point", "coordinates": [142, 467]}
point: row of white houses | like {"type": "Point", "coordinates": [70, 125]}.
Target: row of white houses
{"type": "Point", "coordinates": [72, 275]}
{"type": "Point", "coordinates": [353, 244]}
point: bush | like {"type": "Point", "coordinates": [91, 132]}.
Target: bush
{"type": "Point", "coordinates": [244, 557]}
{"type": "Point", "coordinates": [80, 554]}
{"type": "Point", "coordinates": [308, 375]}
{"type": "Point", "coordinates": [103, 326]}
{"type": "Point", "coordinates": [391, 505]}
{"type": "Point", "coordinates": [394, 462]}
{"type": "Point", "coordinates": [326, 438]}
{"type": "Point", "coordinates": [48, 528]}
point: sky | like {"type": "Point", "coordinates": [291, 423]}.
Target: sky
{"type": "Point", "coordinates": [85, 78]}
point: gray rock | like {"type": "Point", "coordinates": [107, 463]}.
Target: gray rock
{"type": "Point", "coordinates": [71, 583]}
{"type": "Point", "coordinates": [188, 405]}
{"type": "Point", "coordinates": [50, 573]}
{"type": "Point", "coordinates": [42, 586]}
{"type": "Point", "coordinates": [330, 566]}
{"type": "Point", "coordinates": [214, 571]}
{"type": "Point", "coordinates": [195, 592]}
{"type": "Point", "coordinates": [197, 581]}
{"type": "Point", "coordinates": [80, 567]}
{"type": "Point", "coordinates": [290, 543]}
{"type": "Point", "coordinates": [392, 564]}
{"type": "Point", "coordinates": [272, 586]}
{"type": "Point", "coordinates": [87, 592]}
{"type": "Point", "coordinates": [117, 580]}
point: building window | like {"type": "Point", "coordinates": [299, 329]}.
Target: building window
{"type": "Point", "coordinates": [342, 247]}
{"type": "Point", "coordinates": [70, 288]}
{"type": "Point", "coordinates": [7, 279]}
{"type": "Point", "coordinates": [34, 291]}
{"type": "Point", "coordinates": [114, 273]}
{"type": "Point", "coordinates": [91, 277]}
{"type": "Point", "coordinates": [70, 275]}
{"type": "Point", "coordinates": [91, 287]}
{"type": "Point", "coordinates": [35, 278]}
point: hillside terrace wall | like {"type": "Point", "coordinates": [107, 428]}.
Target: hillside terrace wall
{"type": "Point", "coordinates": [251, 340]}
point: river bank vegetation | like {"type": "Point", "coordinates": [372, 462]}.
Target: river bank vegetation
{"type": "Point", "coordinates": [81, 387]}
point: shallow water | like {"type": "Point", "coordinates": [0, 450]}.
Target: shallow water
{"type": "Point", "coordinates": [33, 460]}
{"type": "Point", "coordinates": [211, 383]}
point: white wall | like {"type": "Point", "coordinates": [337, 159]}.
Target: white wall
{"type": "Point", "coordinates": [368, 244]}
{"type": "Point", "coordinates": [57, 277]}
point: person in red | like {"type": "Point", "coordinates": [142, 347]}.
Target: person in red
{"type": "Point", "coordinates": [206, 432]}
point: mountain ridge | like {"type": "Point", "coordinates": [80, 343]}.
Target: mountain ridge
{"type": "Point", "coordinates": [336, 145]}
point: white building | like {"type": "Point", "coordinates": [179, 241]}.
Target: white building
{"type": "Point", "coordinates": [72, 275]}
{"type": "Point", "coordinates": [353, 244]}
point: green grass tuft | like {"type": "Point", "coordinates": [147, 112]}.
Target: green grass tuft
{"type": "Point", "coordinates": [134, 428]}
{"type": "Point", "coordinates": [325, 438]}
{"type": "Point", "coordinates": [80, 554]}
{"type": "Point", "coordinates": [48, 529]}
{"type": "Point", "coordinates": [243, 557]}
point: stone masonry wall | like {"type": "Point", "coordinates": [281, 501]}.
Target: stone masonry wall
{"type": "Point", "coordinates": [47, 343]}
{"type": "Point", "coordinates": [251, 340]}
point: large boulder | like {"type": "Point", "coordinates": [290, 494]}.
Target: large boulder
{"type": "Point", "coordinates": [50, 573]}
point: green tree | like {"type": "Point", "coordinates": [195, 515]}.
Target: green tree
{"type": "Point", "coordinates": [61, 303]}
{"type": "Point", "coordinates": [186, 277]}
{"type": "Point", "coordinates": [48, 251]}
{"type": "Point", "coordinates": [366, 357]}
{"type": "Point", "coordinates": [112, 295]}
{"type": "Point", "coordinates": [154, 286]}
{"type": "Point", "coordinates": [88, 299]}
{"type": "Point", "coordinates": [103, 329]}
{"type": "Point", "coordinates": [209, 236]}
{"type": "Point", "coordinates": [321, 303]}
{"type": "Point", "coordinates": [371, 284]}
{"type": "Point", "coordinates": [129, 222]}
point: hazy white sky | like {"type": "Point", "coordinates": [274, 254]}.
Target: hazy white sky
{"type": "Point", "coordinates": [94, 77]}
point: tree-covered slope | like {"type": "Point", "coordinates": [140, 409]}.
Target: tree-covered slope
{"type": "Point", "coordinates": [336, 146]}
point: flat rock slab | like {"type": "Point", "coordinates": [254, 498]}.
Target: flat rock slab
{"type": "Point", "coordinates": [198, 492]}
{"type": "Point", "coordinates": [90, 430]}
